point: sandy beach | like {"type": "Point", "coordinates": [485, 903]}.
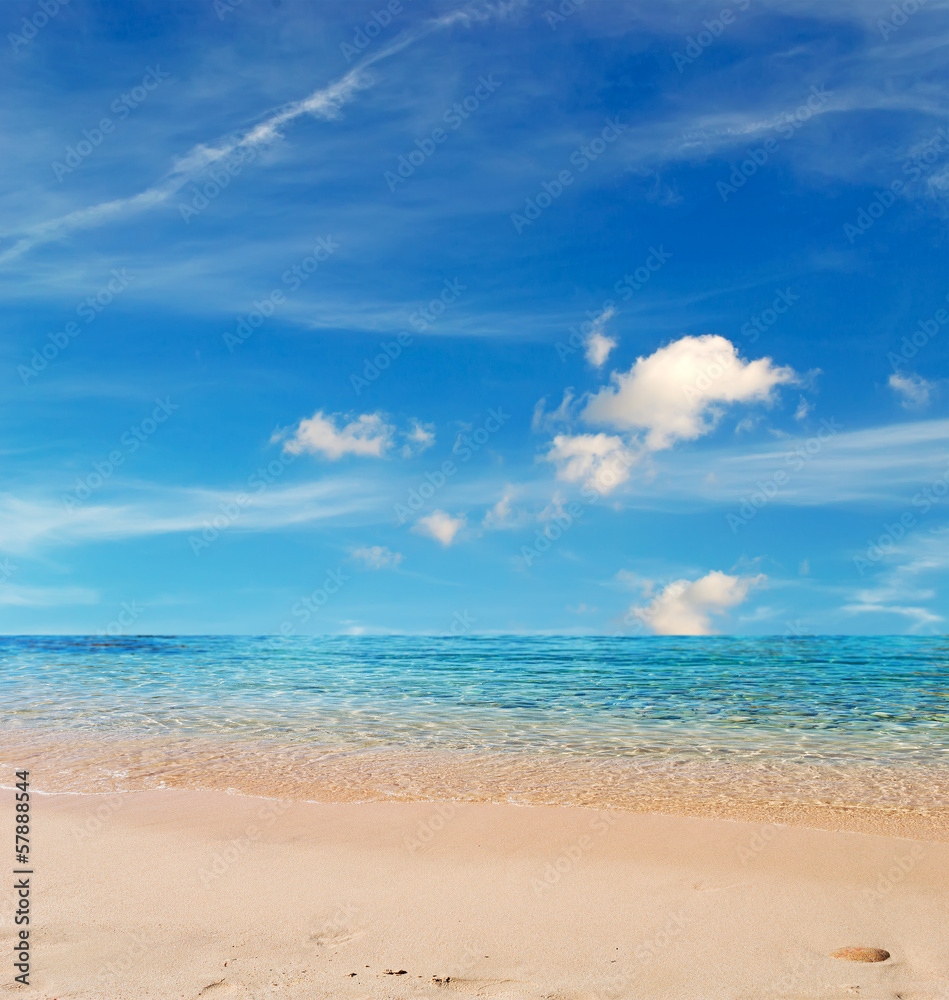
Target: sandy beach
{"type": "Point", "coordinates": [475, 502]}
{"type": "Point", "coordinates": [174, 893]}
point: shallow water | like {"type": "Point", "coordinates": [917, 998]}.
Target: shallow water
{"type": "Point", "coordinates": [861, 721]}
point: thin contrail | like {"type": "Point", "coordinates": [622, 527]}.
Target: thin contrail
{"type": "Point", "coordinates": [323, 103]}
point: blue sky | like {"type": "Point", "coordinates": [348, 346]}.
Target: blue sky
{"type": "Point", "coordinates": [618, 317]}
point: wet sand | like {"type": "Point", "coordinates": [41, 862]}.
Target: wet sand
{"type": "Point", "coordinates": [861, 797]}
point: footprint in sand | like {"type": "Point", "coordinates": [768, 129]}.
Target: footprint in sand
{"type": "Point", "coordinates": [333, 940]}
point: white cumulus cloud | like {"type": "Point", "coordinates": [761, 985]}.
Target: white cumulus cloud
{"type": "Point", "coordinates": [418, 439]}
{"type": "Point", "coordinates": [597, 345]}
{"type": "Point", "coordinates": [679, 392]}
{"type": "Point", "coordinates": [324, 434]}
{"type": "Point", "coordinates": [685, 607]}
{"type": "Point", "coordinates": [600, 461]}
{"type": "Point", "coordinates": [440, 526]}
{"type": "Point", "coordinates": [913, 390]}
{"type": "Point", "coordinates": [378, 556]}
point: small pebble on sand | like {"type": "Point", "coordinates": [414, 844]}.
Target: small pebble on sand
{"type": "Point", "coordinates": [862, 954]}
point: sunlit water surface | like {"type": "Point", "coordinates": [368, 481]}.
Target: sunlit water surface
{"type": "Point", "coordinates": [602, 721]}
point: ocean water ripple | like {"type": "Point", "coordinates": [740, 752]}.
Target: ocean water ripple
{"type": "Point", "coordinates": [538, 718]}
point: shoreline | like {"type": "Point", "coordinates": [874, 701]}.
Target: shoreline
{"type": "Point", "coordinates": [186, 893]}
{"type": "Point", "coordinates": [898, 801]}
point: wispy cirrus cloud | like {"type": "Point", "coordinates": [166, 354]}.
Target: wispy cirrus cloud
{"type": "Point", "coordinates": [873, 466]}
{"type": "Point", "coordinates": [326, 102]}
{"type": "Point", "coordinates": [323, 103]}
{"type": "Point", "coordinates": [377, 557]}
{"type": "Point", "coordinates": [29, 524]}
{"type": "Point", "coordinates": [24, 596]}
{"type": "Point", "coordinates": [503, 514]}
{"type": "Point", "coordinates": [899, 588]}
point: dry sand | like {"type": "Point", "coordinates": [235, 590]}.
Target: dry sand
{"type": "Point", "coordinates": [202, 894]}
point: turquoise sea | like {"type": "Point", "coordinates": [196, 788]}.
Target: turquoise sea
{"type": "Point", "coordinates": [554, 719]}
